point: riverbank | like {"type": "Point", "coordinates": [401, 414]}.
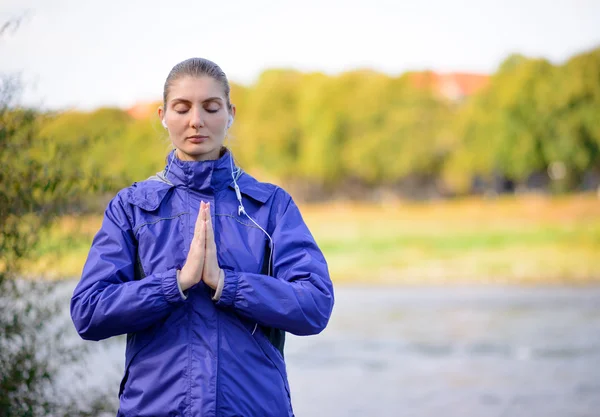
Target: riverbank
{"type": "Point", "coordinates": [514, 240]}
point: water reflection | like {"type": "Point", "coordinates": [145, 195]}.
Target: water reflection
{"type": "Point", "coordinates": [452, 352]}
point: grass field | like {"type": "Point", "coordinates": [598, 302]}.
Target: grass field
{"type": "Point", "coordinates": [523, 240]}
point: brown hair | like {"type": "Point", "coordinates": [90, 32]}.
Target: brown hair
{"type": "Point", "coordinates": [197, 67]}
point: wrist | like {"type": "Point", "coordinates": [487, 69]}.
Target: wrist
{"type": "Point", "coordinates": [183, 281]}
{"type": "Point", "coordinates": [213, 282]}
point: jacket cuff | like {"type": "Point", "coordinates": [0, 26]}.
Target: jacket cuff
{"type": "Point", "coordinates": [219, 289]}
{"type": "Point", "coordinates": [230, 285]}
{"type": "Point", "coordinates": [181, 292]}
{"type": "Point", "coordinates": [170, 286]}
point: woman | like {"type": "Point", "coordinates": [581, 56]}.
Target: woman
{"type": "Point", "coordinates": [204, 268]}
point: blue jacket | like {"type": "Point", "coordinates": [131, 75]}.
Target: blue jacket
{"type": "Point", "coordinates": [194, 356]}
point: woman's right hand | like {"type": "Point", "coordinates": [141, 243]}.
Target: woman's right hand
{"type": "Point", "coordinates": [191, 273]}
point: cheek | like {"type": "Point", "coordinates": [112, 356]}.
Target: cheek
{"type": "Point", "coordinates": [218, 125]}
{"type": "Point", "coordinates": [177, 135]}
{"type": "Point", "coordinates": [179, 126]}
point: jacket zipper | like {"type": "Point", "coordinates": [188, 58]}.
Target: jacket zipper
{"type": "Point", "coordinates": [189, 315]}
{"type": "Point", "coordinates": [218, 366]}
{"type": "Point", "coordinates": [217, 353]}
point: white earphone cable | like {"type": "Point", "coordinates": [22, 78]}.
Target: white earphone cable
{"type": "Point", "coordinates": [235, 174]}
{"type": "Point", "coordinates": [170, 162]}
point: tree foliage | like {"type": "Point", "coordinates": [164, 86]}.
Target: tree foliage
{"type": "Point", "coordinates": [35, 187]}
{"type": "Point", "coordinates": [364, 127]}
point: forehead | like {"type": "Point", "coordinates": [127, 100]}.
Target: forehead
{"type": "Point", "coordinates": [195, 88]}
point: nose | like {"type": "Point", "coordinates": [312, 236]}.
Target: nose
{"type": "Point", "coordinates": [196, 120]}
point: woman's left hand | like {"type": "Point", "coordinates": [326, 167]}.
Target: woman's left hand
{"type": "Point", "coordinates": [211, 273]}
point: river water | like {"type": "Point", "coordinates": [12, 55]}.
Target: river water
{"type": "Point", "coordinates": [466, 351]}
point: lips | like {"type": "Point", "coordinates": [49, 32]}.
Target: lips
{"type": "Point", "coordinates": [197, 138]}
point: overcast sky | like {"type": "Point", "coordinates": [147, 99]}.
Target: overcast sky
{"type": "Point", "coordinates": [85, 54]}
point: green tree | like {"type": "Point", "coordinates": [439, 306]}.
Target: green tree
{"type": "Point", "coordinates": [34, 188]}
{"type": "Point", "coordinates": [270, 133]}
{"type": "Point", "coordinates": [575, 118]}
{"type": "Point", "coordinates": [503, 129]}
{"type": "Point", "coordinates": [323, 125]}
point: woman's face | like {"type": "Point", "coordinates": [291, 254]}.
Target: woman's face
{"type": "Point", "coordinates": [196, 117]}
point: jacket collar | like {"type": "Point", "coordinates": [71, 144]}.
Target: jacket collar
{"type": "Point", "coordinates": [212, 176]}
{"type": "Point", "coordinates": [203, 176]}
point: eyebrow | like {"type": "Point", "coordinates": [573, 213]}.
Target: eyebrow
{"type": "Point", "coordinates": [180, 99]}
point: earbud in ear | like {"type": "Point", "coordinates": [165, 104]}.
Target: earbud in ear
{"type": "Point", "coordinates": [164, 123]}
{"type": "Point", "coordinates": [230, 121]}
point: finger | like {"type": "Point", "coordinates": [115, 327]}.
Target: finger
{"type": "Point", "coordinates": [210, 235]}
{"type": "Point", "coordinates": [202, 235]}
{"type": "Point", "coordinates": [199, 220]}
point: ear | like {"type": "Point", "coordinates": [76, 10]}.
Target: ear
{"type": "Point", "coordinates": [161, 115]}
{"type": "Point", "coordinates": [231, 116]}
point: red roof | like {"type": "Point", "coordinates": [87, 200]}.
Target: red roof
{"type": "Point", "coordinates": [454, 85]}
{"type": "Point", "coordinates": [143, 110]}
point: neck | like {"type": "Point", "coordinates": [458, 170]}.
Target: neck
{"type": "Point", "coordinates": [210, 156]}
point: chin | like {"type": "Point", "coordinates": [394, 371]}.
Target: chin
{"type": "Point", "coordinates": [201, 151]}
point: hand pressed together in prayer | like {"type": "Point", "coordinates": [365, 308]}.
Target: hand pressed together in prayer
{"type": "Point", "coordinates": [201, 263]}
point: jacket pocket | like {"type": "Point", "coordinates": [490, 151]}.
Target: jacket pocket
{"type": "Point", "coordinates": [273, 355]}
{"type": "Point", "coordinates": [136, 346]}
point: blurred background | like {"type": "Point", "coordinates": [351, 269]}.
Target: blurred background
{"type": "Point", "coordinates": [446, 156]}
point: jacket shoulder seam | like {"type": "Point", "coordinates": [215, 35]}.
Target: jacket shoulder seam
{"type": "Point", "coordinates": [237, 220]}
{"type": "Point", "coordinates": [138, 227]}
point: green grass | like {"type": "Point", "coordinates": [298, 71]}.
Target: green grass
{"type": "Point", "coordinates": [523, 240]}
{"type": "Point", "coordinates": [510, 240]}
{"type": "Point", "coordinates": [462, 241]}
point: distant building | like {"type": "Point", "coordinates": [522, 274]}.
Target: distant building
{"type": "Point", "coordinates": [454, 86]}
{"type": "Point", "coordinates": [143, 110]}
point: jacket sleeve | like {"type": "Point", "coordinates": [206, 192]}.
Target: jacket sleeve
{"type": "Point", "coordinates": [298, 298]}
{"type": "Point", "coordinates": [108, 301]}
